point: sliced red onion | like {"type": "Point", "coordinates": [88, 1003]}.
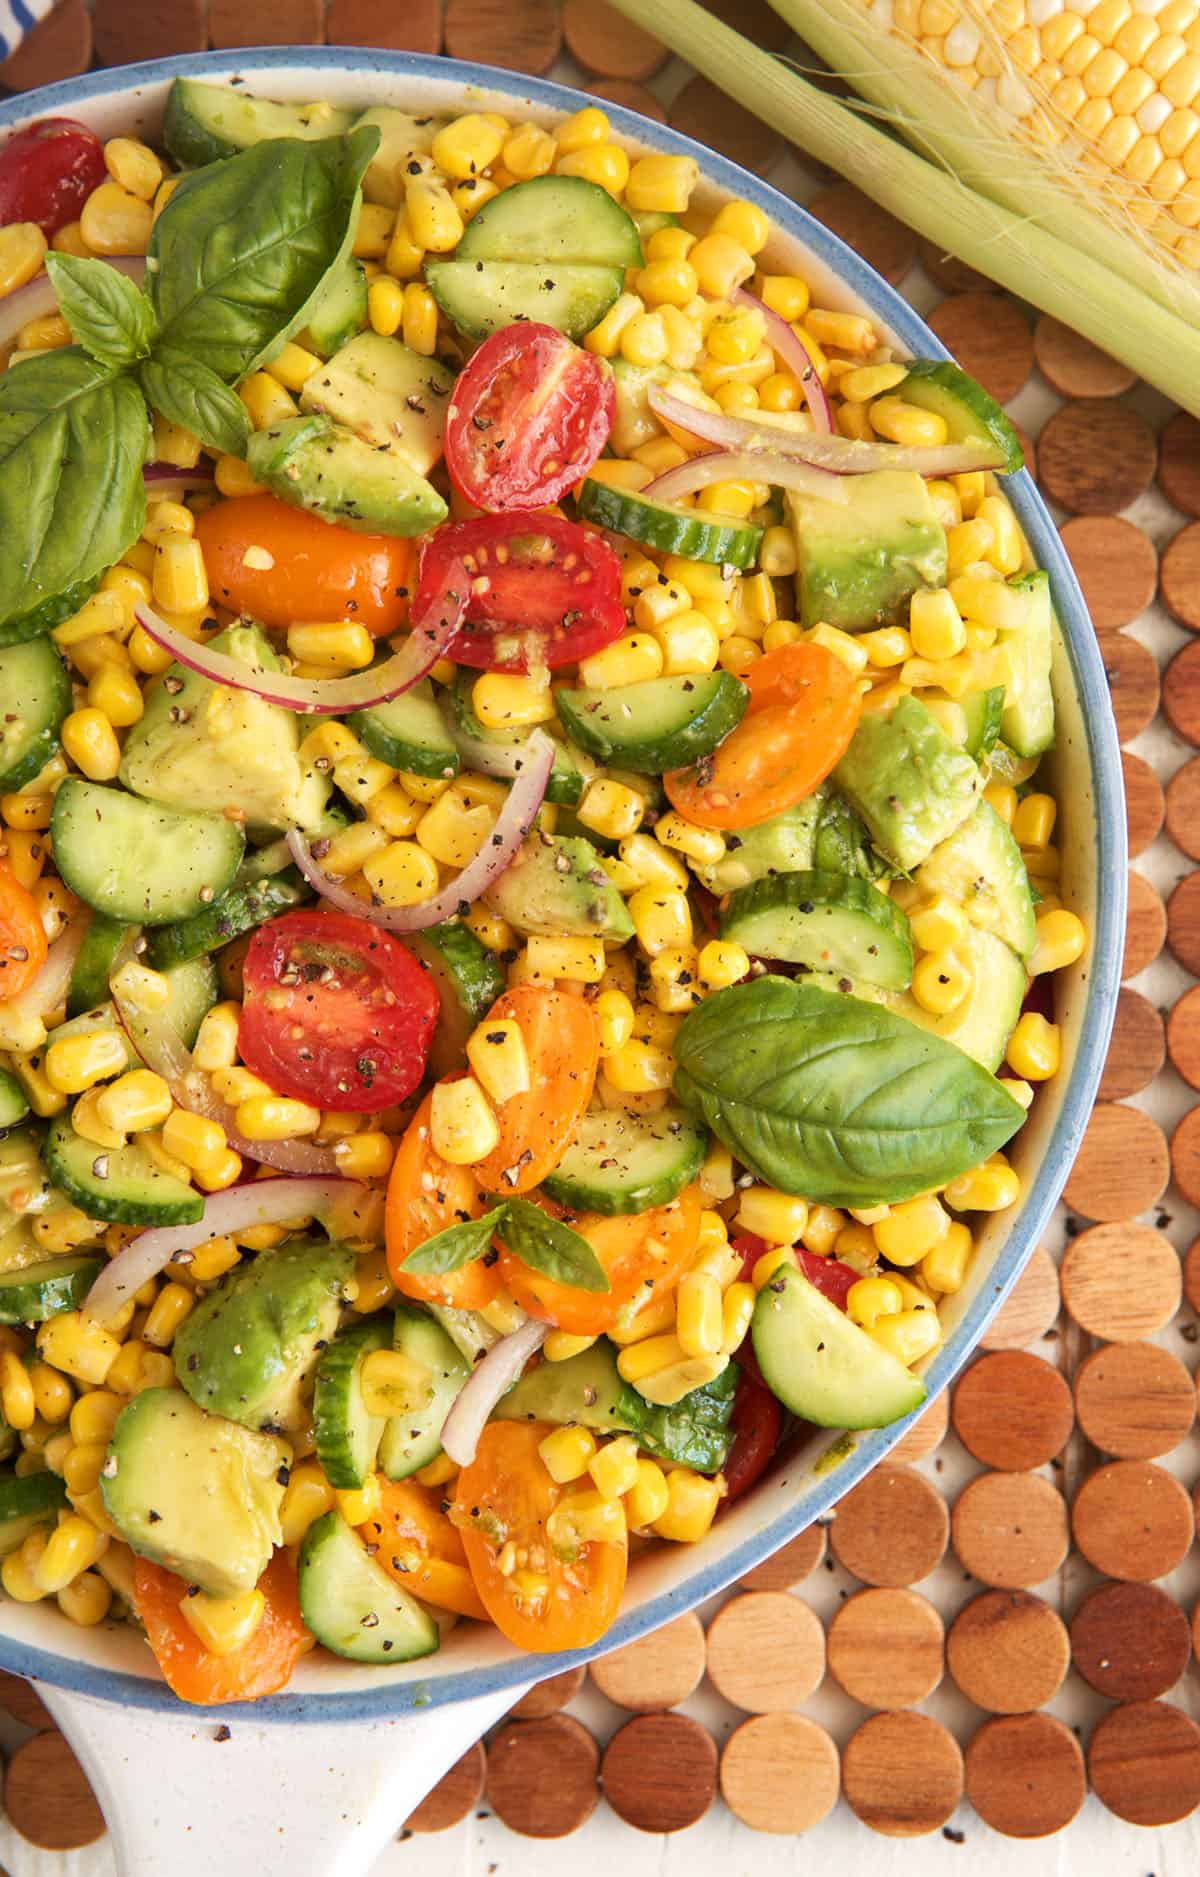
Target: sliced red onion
{"type": "Point", "coordinates": [37, 297]}
{"type": "Point", "coordinates": [495, 1375]}
{"type": "Point", "coordinates": [512, 825]}
{"type": "Point", "coordinates": [791, 350]}
{"type": "Point", "coordinates": [256, 1202]}
{"type": "Point", "coordinates": [46, 991]}
{"type": "Point", "coordinates": [745, 465]}
{"type": "Point", "coordinates": [168, 479]}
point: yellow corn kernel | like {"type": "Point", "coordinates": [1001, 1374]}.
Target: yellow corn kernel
{"type": "Point", "coordinates": [105, 612]}
{"type": "Point", "coordinates": [872, 1298]}
{"type": "Point", "coordinates": [631, 659]}
{"type": "Point", "coordinates": [667, 282]}
{"type": "Point", "coordinates": [22, 251]}
{"type": "Point", "coordinates": [1061, 939]}
{"type": "Point", "coordinates": [117, 695]}
{"type": "Point", "coordinates": [403, 875]}
{"type": "Point", "coordinates": [643, 339]}
{"type": "Point", "coordinates": [18, 1574]}
{"type": "Point", "coordinates": [94, 1416]}
{"type": "Point", "coordinates": [662, 919]}
{"type": "Point", "coordinates": [722, 265]}
{"type": "Point", "coordinates": [706, 846]}
{"type": "Point", "coordinates": [614, 1014]}
{"type": "Point", "coordinates": [180, 577]}
{"type": "Point", "coordinates": [163, 518]}
{"type": "Point", "coordinates": [1034, 1048]}
{"type": "Point", "coordinates": [821, 1229]}
{"type": "Point", "coordinates": [737, 1308]}
{"type": "Point", "coordinates": [28, 813]}
{"type": "Point", "coordinates": [692, 1502]}
{"type": "Point", "coordinates": [385, 306]}
{"type": "Point", "coordinates": [90, 741]}
{"type": "Point", "coordinates": [467, 146]}
{"type": "Point", "coordinates": [1002, 797]}
{"type": "Point", "coordinates": [462, 1125]}
{"type": "Point", "coordinates": [307, 1496]}
{"type": "Point", "coordinates": [689, 644]}
{"type": "Point", "coordinates": [496, 1052]}
{"type": "Point", "coordinates": [941, 980]}
{"type": "Point", "coordinates": [604, 339]}
{"type": "Point", "coordinates": [647, 1498]}
{"type": "Point", "coordinates": [81, 1467]}
{"type": "Point", "coordinates": [613, 1467]}
{"type": "Point", "coordinates": [77, 1062]}
{"type": "Point", "coordinates": [843, 645]}
{"type": "Point", "coordinates": [646, 1358]}
{"type": "Point", "coordinates": [216, 1040]}
{"type": "Point", "coordinates": [46, 334]}
{"type": "Point", "coordinates": [944, 1268]}
{"type": "Point", "coordinates": [193, 1139]}
{"type": "Point", "coordinates": [912, 1228]}
{"type": "Point", "coordinates": [581, 959]}
{"type": "Point", "coordinates": [234, 1086]}
{"type": "Point", "coordinates": [86, 1121]}
{"type": "Point", "coordinates": [16, 1392]}
{"type": "Point", "coordinates": [611, 808]}
{"type": "Point", "coordinates": [134, 1102]}
{"type": "Point", "coordinates": [166, 1314]}
{"type": "Point", "coordinates": [988, 602]}
{"type": "Point", "coordinates": [587, 127]}
{"type": "Point", "coordinates": [907, 424]}
{"type": "Point", "coordinates": [721, 963]}
{"type": "Point", "coordinates": [212, 1259]}
{"type": "Point", "coordinates": [340, 645]}
{"type": "Point", "coordinates": [908, 1335]}
{"type": "Point", "coordinates": [73, 1547]}
{"type": "Point", "coordinates": [224, 1624]}
{"type": "Point", "coordinates": [673, 979]}
{"type": "Point", "coordinates": [139, 1367]}
{"type": "Point", "coordinates": [53, 1395]}
{"type": "Point", "coordinates": [69, 240]}
{"type": "Point", "coordinates": [779, 1218]}
{"type": "Point", "coordinates": [736, 336]}
{"type": "Point", "coordinates": [637, 1068]}
{"type": "Point", "coordinates": [743, 222]}
{"type": "Point", "coordinates": [651, 864]}
{"type": "Point", "coordinates": [567, 1453]}
{"type": "Point", "coordinates": [491, 931]}
{"type": "Point", "coordinates": [85, 1601]}
{"type": "Point", "coordinates": [419, 324]}
{"type": "Point", "coordinates": [433, 220]}
{"type": "Point", "coordinates": [393, 812]}
{"type": "Point", "coordinates": [966, 544]}
{"type": "Point", "coordinates": [25, 855]}
{"type": "Point", "coordinates": [439, 1472]}
{"type": "Point", "coordinates": [502, 702]}
{"type": "Point", "coordinates": [375, 1287]}
{"type": "Point", "coordinates": [1007, 549]}
{"type": "Point", "coordinates": [785, 294]}
{"type": "Point", "coordinates": [146, 655]}
{"type": "Point", "coordinates": [938, 924]}
{"type": "Point", "coordinates": [134, 166]}
{"type": "Point", "coordinates": [1033, 821]}
{"type": "Point", "coordinates": [698, 1322]}
{"type": "Point", "coordinates": [738, 653]}
{"type": "Point", "coordinates": [935, 624]}
{"type": "Point", "coordinates": [770, 1262]}
{"type": "Point", "coordinates": [366, 1156]}
{"type": "Point", "coordinates": [560, 1345]}
{"type": "Point", "coordinates": [663, 183]}
{"type": "Point", "coordinates": [276, 1118]}
{"type": "Point", "coordinates": [987, 1188]}
{"type": "Point", "coordinates": [354, 846]}
{"type": "Point", "coordinates": [529, 152]}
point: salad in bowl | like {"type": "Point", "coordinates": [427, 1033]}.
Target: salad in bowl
{"type": "Point", "coordinates": [529, 901]}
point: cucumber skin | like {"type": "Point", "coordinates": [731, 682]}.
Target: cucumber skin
{"type": "Point", "coordinates": [323, 1541]}
{"type": "Point", "coordinates": [51, 613]}
{"type": "Point", "coordinates": [13, 1104]}
{"type": "Point", "coordinates": [656, 755]}
{"type": "Point", "coordinates": [948, 380]}
{"type": "Point", "coordinates": [107, 1205]}
{"type": "Point", "coordinates": [93, 963]}
{"type": "Point", "coordinates": [413, 1331]}
{"type": "Point", "coordinates": [45, 742]}
{"type": "Point", "coordinates": [237, 911]}
{"type": "Point", "coordinates": [789, 1303]}
{"type": "Point", "coordinates": [27, 1503]}
{"type": "Point", "coordinates": [581, 1194]}
{"type": "Point", "coordinates": [39, 1291]}
{"type": "Point", "coordinates": [833, 894]}
{"type": "Point", "coordinates": [687, 533]}
{"type": "Point", "coordinates": [336, 1380]}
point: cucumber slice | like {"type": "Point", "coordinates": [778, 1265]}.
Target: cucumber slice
{"type": "Point", "coordinates": [194, 988]}
{"type": "Point", "coordinates": [13, 1105]}
{"type": "Point", "coordinates": [659, 724]}
{"type": "Point", "coordinates": [469, 979]}
{"type": "Point", "coordinates": [206, 122]}
{"type": "Point", "coordinates": [138, 861]}
{"type": "Point", "coordinates": [481, 296]}
{"type": "Point", "coordinates": [408, 733]}
{"type": "Point", "coordinates": [971, 415]}
{"type": "Point", "coordinates": [980, 868]}
{"type": "Point", "coordinates": [649, 221]}
{"type": "Point", "coordinates": [351, 1604]}
{"type": "Point", "coordinates": [568, 777]}
{"type": "Point", "coordinates": [94, 962]}
{"type": "Point", "coordinates": [622, 1162]}
{"type": "Point", "coordinates": [983, 711]}
{"type": "Point", "coordinates": [1027, 725]}
{"type": "Point", "coordinates": [820, 1364]}
{"type": "Point", "coordinates": [690, 533]}
{"type": "Point", "coordinates": [36, 694]}
{"type": "Point", "coordinates": [341, 310]}
{"type": "Point", "coordinates": [26, 1505]}
{"type": "Point", "coordinates": [238, 910]}
{"type": "Point", "coordinates": [826, 922]}
{"type": "Point", "coordinates": [552, 220]}
{"type": "Point", "coordinates": [42, 619]}
{"type": "Point", "coordinates": [587, 1389]}
{"type": "Point", "coordinates": [414, 1438]}
{"type": "Point", "coordinates": [346, 1436]}
{"type": "Point", "coordinates": [120, 1184]}
{"type": "Point", "coordinates": [39, 1291]}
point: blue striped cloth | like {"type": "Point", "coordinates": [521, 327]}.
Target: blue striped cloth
{"type": "Point", "coordinates": [18, 17]}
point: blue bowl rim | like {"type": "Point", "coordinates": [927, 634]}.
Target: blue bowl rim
{"type": "Point", "coordinates": [1104, 760]}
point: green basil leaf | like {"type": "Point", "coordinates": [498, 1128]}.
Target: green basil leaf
{"type": "Point", "coordinates": [842, 1101]}
{"type": "Point", "coordinates": [244, 246]}
{"type": "Point", "coordinates": [457, 1245]}
{"type": "Point", "coordinates": [73, 437]}
{"type": "Point", "coordinates": [108, 316]}
{"type": "Point", "coordinates": [189, 394]}
{"type": "Point", "coordinates": [549, 1246]}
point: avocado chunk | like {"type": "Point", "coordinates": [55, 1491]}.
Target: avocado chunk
{"type": "Point", "coordinates": [387, 394]}
{"type": "Point", "coordinates": [556, 884]}
{"type": "Point", "coordinates": [204, 745]}
{"type": "Point", "coordinates": [400, 136]}
{"type": "Point", "coordinates": [195, 1493]}
{"type": "Point", "coordinates": [980, 868]}
{"type": "Point", "coordinates": [588, 1389]}
{"type": "Point", "coordinates": [328, 469]}
{"type": "Point", "coordinates": [820, 1364]}
{"type": "Point", "coordinates": [912, 786]}
{"type": "Point", "coordinates": [981, 1025]}
{"type": "Point", "coordinates": [786, 843]}
{"type": "Point", "coordinates": [859, 561]}
{"type": "Point", "coordinates": [250, 1348]}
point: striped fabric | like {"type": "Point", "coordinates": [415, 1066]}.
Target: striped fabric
{"type": "Point", "coordinates": [17, 17]}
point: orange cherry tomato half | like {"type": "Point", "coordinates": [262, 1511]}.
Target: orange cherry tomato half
{"type": "Point", "coordinates": [318, 570]}
{"type": "Point", "coordinates": [647, 1251]}
{"type": "Point", "coordinates": [507, 1494]}
{"type": "Point", "coordinates": [22, 940]}
{"type": "Point", "coordinates": [427, 1195]}
{"type": "Point", "coordinates": [804, 708]}
{"type": "Point", "coordinates": [190, 1670]}
{"type": "Point", "coordinates": [562, 1043]}
{"type": "Point", "coordinates": [418, 1546]}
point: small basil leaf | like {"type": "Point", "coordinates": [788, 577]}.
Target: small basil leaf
{"type": "Point", "coordinates": [108, 316]}
{"type": "Point", "coordinates": [189, 394]}
{"type": "Point", "coordinates": [244, 246]}
{"type": "Point", "coordinates": [457, 1245]}
{"type": "Point", "coordinates": [549, 1246]}
{"type": "Point", "coordinates": [73, 437]}
{"type": "Point", "coordinates": [842, 1101]}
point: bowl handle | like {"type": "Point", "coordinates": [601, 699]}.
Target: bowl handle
{"type": "Point", "coordinates": [268, 1801]}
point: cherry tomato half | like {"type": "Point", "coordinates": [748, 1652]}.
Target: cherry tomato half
{"type": "Point", "coordinates": [543, 591]}
{"type": "Point", "coordinates": [337, 1012]}
{"type": "Point", "coordinates": [48, 171]}
{"type": "Point", "coordinates": [427, 1195]}
{"type": "Point", "coordinates": [527, 419]}
{"type": "Point", "coordinates": [636, 1249]}
{"type": "Point", "coordinates": [828, 1275]}
{"type": "Point", "coordinates": [317, 570]}
{"type": "Point", "coordinates": [757, 1419]}
{"type": "Point", "coordinates": [804, 708]}
{"type": "Point", "coordinates": [22, 938]}
{"type": "Point", "coordinates": [264, 1664]}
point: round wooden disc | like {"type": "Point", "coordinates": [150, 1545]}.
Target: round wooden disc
{"type": "Point", "coordinates": [1115, 564]}
{"type": "Point", "coordinates": [48, 1798]}
{"type": "Point", "coordinates": [1025, 1774]}
{"type": "Point", "coordinates": [1143, 1761]}
{"type": "Point", "coordinates": [791, 1564]}
{"type": "Point", "coordinates": [902, 1774]}
{"type": "Point", "coordinates": [949, 273]}
{"type": "Point", "coordinates": [1179, 463]}
{"type": "Point", "coordinates": [1012, 1411]}
{"type": "Point", "coordinates": [754, 19]}
{"type": "Point", "coordinates": [1145, 804]}
{"type": "Point", "coordinates": [702, 110]}
{"type": "Point", "coordinates": [1096, 456]}
{"type": "Point", "coordinates": [541, 1776]}
{"type": "Point", "coordinates": [658, 1671]}
{"type": "Point", "coordinates": [157, 30]}
{"type": "Point", "coordinates": [1134, 1400]}
{"type": "Point", "coordinates": [659, 1772]}
{"type": "Point", "coordinates": [886, 1648]}
{"type": "Point", "coordinates": [990, 337]}
{"type": "Point", "coordinates": [1008, 1651]}
{"type": "Point", "coordinates": [1191, 1275]}
{"type": "Point", "coordinates": [1030, 1308]}
{"type": "Point", "coordinates": [1122, 1164]}
{"type": "Point", "coordinates": [1120, 1281]}
{"type": "Point", "coordinates": [1181, 577]}
{"type": "Point", "coordinates": [1074, 366]}
{"type": "Point", "coordinates": [525, 38]}
{"type": "Point", "coordinates": [779, 1773]}
{"type": "Point", "coordinates": [1181, 694]}
{"type": "Point", "coordinates": [1145, 925]}
{"type": "Point", "coordinates": [927, 1431]}
{"type": "Point", "coordinates": [885, 243]}
{"type": "Point", "coordinates": [1132, 1520]}
{"type": "Point", "coordinates": [632, 97]}
{"type": "Point", "coordinates": [456, 1793]}
{"type": "Point", "coordinates": [1130, 1642]}
{"type": "Point", "coordinates": [1183, 922]}
{"type": "Point", "coordinates": [1137, 1050]}
{"type": "Point", "coordinates": [766, 1651]}
{"type": "Point", "coordinates": [606, 43]}
{"type": "Point", "coordinates": [892, 1528]}
{"type": "Point", "coordinates": [548, 1696]}
{"type": "Point", "coordinates": [1183, 808]}
{"type": "Point", "coordinates": [21, 1699]}
{"type": "Point", "coordinates": [1010, 1529]}
{"type": "Point", "coordinates": [1185, 1156]}
{"type": "Point", "coordinates": [1133, 682]}
{"type": "Point", "coordinates": [60, 46]}
{"type": "Point", "coordinates": [292, 23]}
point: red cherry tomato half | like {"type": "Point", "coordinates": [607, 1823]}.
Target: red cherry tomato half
{"type": "Point", "coordinates": [542, 590]}
{"type": "Point", "coordinates": [48, 171]}
{"type": "Point", "coordinates": [336, 1011]}
{"type": "Point", "coordinates": [528, 418]}
{"type": "Point", "coordinates": [827, 1275]}
{"type": "Point", "coordinates": [757, 1419]}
